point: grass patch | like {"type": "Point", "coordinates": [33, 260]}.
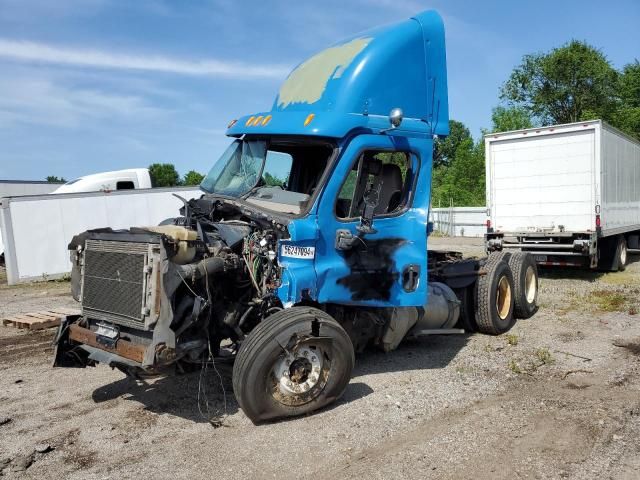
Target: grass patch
{"type": "Point", "coordinates": [544, 355]}
{"type": "Point", "coordinates": [512, 339]}
{"type": "Point", "coordinates": [514, 367]}
{"type": "Point", "coordinates": [608, 301]}
{"type": "Point", "coordinates": [620, 278]}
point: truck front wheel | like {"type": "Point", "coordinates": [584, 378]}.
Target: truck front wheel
{"type": "Point", "coordinates": [494, 292]}
{"type": "Point", "coordinates": [294, 362]}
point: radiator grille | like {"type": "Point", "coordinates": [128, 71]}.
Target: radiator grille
{"type": "Point", "coordinates": [114, 281]}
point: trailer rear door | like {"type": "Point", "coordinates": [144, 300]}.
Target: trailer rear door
{"type": "Point", "coordinates": [542, 181]}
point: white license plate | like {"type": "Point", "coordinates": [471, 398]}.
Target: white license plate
{"type": "Point", "coordinates": [107, 331]}
{"type": "Point", "coordinates": [540, 258]}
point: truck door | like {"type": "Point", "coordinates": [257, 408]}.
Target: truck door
{"type": "Point", "coordinates": [383, 264]}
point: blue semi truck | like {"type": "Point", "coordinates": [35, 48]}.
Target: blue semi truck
{"type": "Point", "coordinates": [308, 244]}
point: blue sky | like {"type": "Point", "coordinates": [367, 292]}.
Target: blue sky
{"type": "Point", "coordinates": [94, 85]}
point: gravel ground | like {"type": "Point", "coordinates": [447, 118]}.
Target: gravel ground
{"type": "Point", "coordinates": [558, 397]}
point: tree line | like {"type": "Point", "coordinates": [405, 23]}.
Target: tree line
{"type": "Point", "coordinates": [166, 175]}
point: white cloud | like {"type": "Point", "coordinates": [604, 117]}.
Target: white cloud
{"type": "Point", "coordinates": [41, 102]}
{"type": "Point", "coordinates": [32, 52]}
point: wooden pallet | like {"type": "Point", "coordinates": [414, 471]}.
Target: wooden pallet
{"type": "Point", "coordinates": [38, 320]}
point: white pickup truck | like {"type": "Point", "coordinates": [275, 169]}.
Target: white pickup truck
{"type": "Point", "coordinates": [130, 179]}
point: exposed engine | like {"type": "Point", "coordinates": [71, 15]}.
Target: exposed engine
{"type": "Point", "coordinates": [176, 292]}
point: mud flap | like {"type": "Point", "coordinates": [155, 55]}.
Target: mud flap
{"type": "Point", "coordinates": [66, 354]}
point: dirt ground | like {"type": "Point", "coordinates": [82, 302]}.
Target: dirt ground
{"type": "Point", "coordinates": [557, 397]}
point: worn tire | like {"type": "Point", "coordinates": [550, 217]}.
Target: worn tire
{"type": "Point", "coordinates": [525, 283]}
{"type": "Point", "coordinates": [497, 256]}
{"type": "Point", "coordinates": [466, 296]}
{"type": "Point", "coordinates": [255, 383]}
{"type": "Point", "coordinates": [494, 298]}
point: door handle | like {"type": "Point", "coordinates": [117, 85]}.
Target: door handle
{"type": "Point", "coordinates": [410, 277]}
{"type": "Point", "coordinates": [345, 240]}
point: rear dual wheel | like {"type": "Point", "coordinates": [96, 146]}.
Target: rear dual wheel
{"type": "Point", "coordinates": [294, 362]}
{"type": "Point", "coordinates": [525, 280]}
{"type": "Point", "coordinates": [494, 295]}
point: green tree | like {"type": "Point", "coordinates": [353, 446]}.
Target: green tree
{"type": "Point", "coordinates": [463, 180]}
{"type": "Point", "coordinates": [272, 180]}
{"type": "Point", "coordinates": [192, 178]}
{"type": "Point", "coordinates": [54, 179]}
{"type": "Point", "coordinates": [505, 119]}
{"type": "Point", "coordinates": [164, 175]}
{"type": "Point", "coordinates": [445, 148]}
{"type": "Point", "coordinates": [571, 83]}
{"type": "Point", "coordinates": [627, 117]}
{"type": "Point", "coordinates": [396, 158]}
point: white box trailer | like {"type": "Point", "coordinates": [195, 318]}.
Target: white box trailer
{"type": "Point", "coordinates": [570, 194]}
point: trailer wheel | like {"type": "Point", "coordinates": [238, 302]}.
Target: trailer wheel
{"type": "Point", "coordinates": [294, 362]}
{"type": "Point", "coordinates": [612, 253]}
{"type": "Point", "coordinates": [622, 254]}
{"type": "Point", "coordinates": [494, 294]}
{"type": "Point", "coordinates": [525, 282]}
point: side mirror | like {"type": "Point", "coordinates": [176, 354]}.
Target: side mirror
{"type": "Point", "coordinates": [395, 117]}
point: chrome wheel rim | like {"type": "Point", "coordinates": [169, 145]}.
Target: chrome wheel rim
{"type": "Point", "coordinates": [300, 375]}
{"type": "Point", "coordinates": [530, 285]}
{"type": "Point", "coordinates": [503, 298]}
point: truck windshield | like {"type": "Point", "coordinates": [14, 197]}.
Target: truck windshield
{"type": "Point", "coordinates": [277, 174]}
{"type": "Point", "coordinates": [238, 169]}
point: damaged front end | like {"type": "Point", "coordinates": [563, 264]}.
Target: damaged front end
{"type": "Point", "coordinates": [168, 296]}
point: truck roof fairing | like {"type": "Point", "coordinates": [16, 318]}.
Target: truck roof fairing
{"type": "Point", "coordinates": [348, 85]}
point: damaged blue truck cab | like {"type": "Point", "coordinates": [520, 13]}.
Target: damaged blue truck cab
{"type": "Point", "coordinates": [346, 93]}
{"type": "Point", "coordinates": [308, 245]}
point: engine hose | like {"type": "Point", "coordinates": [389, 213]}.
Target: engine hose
{"type": "Point", "coordinates": [205, 267]}
{"type": "Point", "coordinates": [244, 317]}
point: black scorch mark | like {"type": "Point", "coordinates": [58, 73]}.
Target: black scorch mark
{"type": "Point", "coordinates": [373, 270]}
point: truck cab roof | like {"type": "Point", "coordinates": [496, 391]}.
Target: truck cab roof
{"type": "Point", "coordinates": [355, 83]}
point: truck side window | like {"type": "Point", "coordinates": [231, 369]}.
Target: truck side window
{"type": "Point", "coordinates": [388, 171]}
{"type": "Point", "coordinates": [125, 185]}
{"type": "Point", "coordinates": [277, 166]}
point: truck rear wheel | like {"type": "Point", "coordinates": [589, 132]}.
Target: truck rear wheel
{"type": "Point", "coordinates": [494, 295]}
{"type": "Point", "coordinates": [294, 362]}
{"type": "Point", "coordinates": [525, 283]}
{"type": "Point", "coordinates": [612, 253]}
{"type": "Point", "coordinates": [622, 254]}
